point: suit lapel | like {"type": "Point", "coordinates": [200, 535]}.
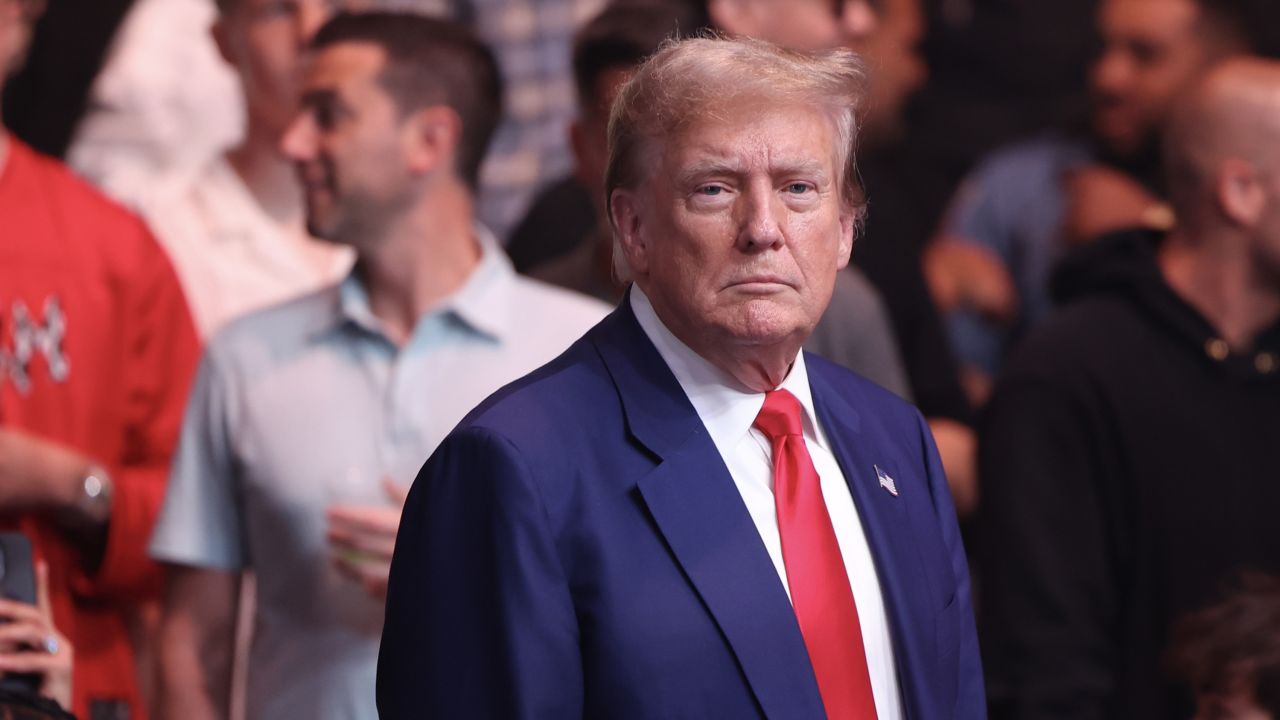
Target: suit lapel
{"type": "Point", "coordinates": [887, 524]}
{"type": "Point", "coordinates": [697, 508]}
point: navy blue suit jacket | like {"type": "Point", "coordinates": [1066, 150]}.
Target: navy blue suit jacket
{"type": "Point", "coordinates": [577, 548]}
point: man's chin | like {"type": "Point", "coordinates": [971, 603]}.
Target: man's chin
{"type": "Point", "coordinates": [764, 322]}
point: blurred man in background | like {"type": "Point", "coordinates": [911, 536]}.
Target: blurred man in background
{"type": "Point", "coordinates": [1129, 453]}
{"type": "Point", "coordinates": [1024, 207]}
{"type": "Point", "coordinates": [96, 352]}
{"type": "Point", "coordinates": [235, 228]}
{"type": "Point", "coordinates": [309, 418]}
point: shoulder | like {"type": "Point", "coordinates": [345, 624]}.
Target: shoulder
{"type": "Point", "coordinates": [89, 212]}
{"type": "Point", "coordinates": [557, 396]}
{"type": "Point", "coordinates": [544, 296]}
{"type": "Point", "coordinates": [269, 336]}
{"type": "Point", "coordinates": [550, 416]}
{"type": "Point", "coordinates": [551, 313]}
{"type": "Point", "coordinates": [62, 185]}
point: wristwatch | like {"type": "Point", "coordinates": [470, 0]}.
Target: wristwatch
{"type": "Point", "coordinates": [95, 494]}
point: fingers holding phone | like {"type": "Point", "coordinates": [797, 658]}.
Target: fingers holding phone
{"type": "Point", "coordinates": [32, 651]}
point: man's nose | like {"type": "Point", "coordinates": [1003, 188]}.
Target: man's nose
{"type": "Point", "coordinates": [299, 139]}
{"type": "Point", "coordinates": [761, 227]}
{"type": "Point", "coordinates": [1111, 72]}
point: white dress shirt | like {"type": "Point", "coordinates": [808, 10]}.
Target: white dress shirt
{"type": "Point", "coordinates": [728, 410]}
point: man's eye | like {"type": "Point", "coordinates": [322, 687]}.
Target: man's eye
{"type": "Point", "coordinates": [799, 188]}
{"type": "Point", "coordinates": [325, 116]}
{"type": "Point", "coordinates": [710, 190]}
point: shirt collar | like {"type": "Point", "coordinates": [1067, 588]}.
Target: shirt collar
{"type": "Point", "coordinates": [726, 407]}
{"type": "Point", "coordinates": [480, 304]}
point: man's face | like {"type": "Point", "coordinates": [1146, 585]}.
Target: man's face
{"type": "Point", "coordinates": [1152, 53]}
{"type": "Point", "coordinates": [740, 231]}
{"type": "Point", "coordinates": [264, 40]}
{"type": "Point", "coordinates": [349, 143]}
{"type": "Point", "coordinates": [799, 24]}
{"type": "Point", "coordinates": [893, 51]}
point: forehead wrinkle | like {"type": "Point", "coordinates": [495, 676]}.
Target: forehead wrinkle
{"type": "Point", "coordinates": [737, 161]}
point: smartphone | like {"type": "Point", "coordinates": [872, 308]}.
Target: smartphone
{"type": "Point", "coordinates": [17, 571]}
{"type": "Point", "coordinates": [17, 582]}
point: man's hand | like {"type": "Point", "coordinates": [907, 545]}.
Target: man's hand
{"type": "Point", "coordinates": [1101, 199]}
{"type": "Point", "coordinates": [38, 475]}
{"type": "Point", "coordinates": [963, 274]}
{"type": "Point", "coordinates": [363, 538]}
{"type": "Point", "coordinates": [30, 644]}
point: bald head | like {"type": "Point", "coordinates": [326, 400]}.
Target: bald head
{"type": "Point", "coordinates": [1225, 134]}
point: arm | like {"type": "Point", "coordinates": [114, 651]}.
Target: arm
{"type": "Point", "coordinates": [967, 270]}
{"type": "Point", "coordinates": [480, 622]}
{"type": "Point", "coordinates": [161, 351]}
{"type": "Point", "coordinates": [197, 643]}
{"type": "Point", "coordinates": [199, 535]}
{"type": "Point", "coordinates": [1049, 605]}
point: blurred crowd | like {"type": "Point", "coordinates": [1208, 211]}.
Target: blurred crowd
{"type": "Point", "coordinates": [258, 257]}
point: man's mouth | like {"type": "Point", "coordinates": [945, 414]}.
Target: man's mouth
{"type": "Point", "coordinates": [762, 283]}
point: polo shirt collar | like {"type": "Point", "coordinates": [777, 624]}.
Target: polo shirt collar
{"type": "Point", "coordinates": [480, 305]}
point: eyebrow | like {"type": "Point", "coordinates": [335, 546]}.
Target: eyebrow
{"type": "Point", "coordinates": [723, 166]}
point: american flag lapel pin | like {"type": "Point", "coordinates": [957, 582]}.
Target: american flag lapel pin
{"type": "Point", "coordinates": [886, 482]}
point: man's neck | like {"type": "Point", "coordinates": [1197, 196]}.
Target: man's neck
{"type": "Point", "coordinates": [270, 178]}
{"type": "Point", "coordinates": [4, 149]}
{"type": "Point", "coordinates": [424, 258]}
{"type": "Point", "coordinates": [1228, 288]}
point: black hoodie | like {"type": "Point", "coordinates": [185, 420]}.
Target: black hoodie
{"type": "Point", "coordinates": [1130, 468]}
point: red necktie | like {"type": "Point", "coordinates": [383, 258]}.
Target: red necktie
{"type": "Point", "coordinates": [820, 592]}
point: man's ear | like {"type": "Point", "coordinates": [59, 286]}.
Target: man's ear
{"type": "Point", "coordinates": [1240, 193]}
{"type": "Point", "coordinates": [624, 209]}
{"type": "Point", "coordinates": [432, 136]}
{"type": "Point", "coordinates": [849, 217]}
{"type": "Point", "coordinates": [735, 17]}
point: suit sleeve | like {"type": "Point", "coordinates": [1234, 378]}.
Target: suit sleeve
{"type": "Point", "coordinates": [971, 698]}
{"type": "Point", "coordinates": [162, 350]}
{"type": "Point", "coordinates": [480, 622]}
{"type": "Point", "coordinates": [1049, 606]}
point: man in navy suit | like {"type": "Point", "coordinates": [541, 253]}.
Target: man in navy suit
{"type": "Point", "coordinates": [684, 516]}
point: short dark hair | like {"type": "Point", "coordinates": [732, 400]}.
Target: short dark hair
{"type": "Point", "coordinates": [627, 32]}
{"type": "Point", "coordinates": [431, 61]}
{"type": "Point", "coordinates": [1233, 644]}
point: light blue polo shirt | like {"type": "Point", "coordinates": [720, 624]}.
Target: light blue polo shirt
{"type": "Point", "coordinates": [308, 404]}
